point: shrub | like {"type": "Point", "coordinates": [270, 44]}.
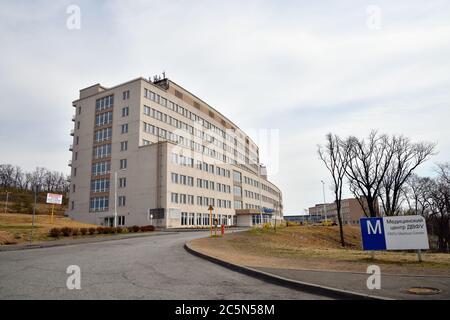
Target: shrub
{"type": "Point", "coordinates": [91, 230]}
{"type": "Point", "coordinates": [100, 230]}
{"type": "Point", "coordinates": [147, 228]}
{"type": "Point", "coordinates": [134, 229]}
{"type": "Point", "coordinates": [108, 230]}
{"type": "Point", "coordinates": [75, 231]}
{"type": "Point", "coordinates": [119, 230]}
{"type": "Point", "coordinates": [83, 231]}
{"type": "Point", "coordinates": [55, 232]}
{"type": "Point", "coordinates": [66, 231]}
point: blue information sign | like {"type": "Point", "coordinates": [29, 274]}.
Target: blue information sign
{"type": "Point", "coordinates": [373, 236]}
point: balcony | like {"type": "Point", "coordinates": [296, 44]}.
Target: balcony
{"type": "Point", "coordinates": [73, 118]}
{"type": "Point", "coordinates": [72, 132]}
{"type": "Point", "coordinates": [70, 163]}
{"type": "Point", "coordinates": [71, 147]}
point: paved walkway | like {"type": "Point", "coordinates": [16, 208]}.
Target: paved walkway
{"type": "Point", "coordinates": [392, 286]}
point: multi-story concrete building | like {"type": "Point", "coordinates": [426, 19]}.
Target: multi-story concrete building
{"type": "Point", "coordinates": [154, 153]}
{"type": "Point", "coordinates": [351, 211]}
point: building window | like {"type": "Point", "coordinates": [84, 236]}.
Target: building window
{"type": "Point", "coordinates": [79, 110]}
{"type": "Point", "coordinates": [122, 201]}
{"type": "Point", "coordinates": [174, 177]}
{"type": "Point", "coordinates": [101, 168]}
{"type": "Point", "coordinates": [123, 164]}
{"type": "Point", "coordinates": [78, 125]}
{"type": "Point", "coordinates": [237, 204]}
{"type": "Point", "coordinates": [104, 103]}
{"type": "Point", "coordinates": [74, 172]}
{"type": "Point", "coordinates": [184, 217]}
{"type": "Point", "coordinates": [100, 185]}
{"type": "Point", "coordinates": [102, 151]}
{"type": "Point", "coordinates": [121, 221]}
{"type": "Point", "coordinates": [126, 95]}
{"type": "Point", "coordinates": [103, 134]}
{"type": "Point", "coordinates": [123, 145]}
{"type": "Point", "coordinates": [124, 128]}
{"type": "Point", "coordinates": [174, 197]}
{"type": "Point", "coordinates": [73, 188]}
{"type": "Point", "coordinates": [103, 118]}
{"type": "Point", "coordinates": [125, 111]}
{"type": "Point", "coordinates": [99, 204]}
{"type": "Point", "coordinates": [237, 176]}
{"type": "Point", "coordinates": [237, 191]}
{"type": "Point", "coordinates": [122, 182]}
{"type": "Point", "coordinates": [72, 205]}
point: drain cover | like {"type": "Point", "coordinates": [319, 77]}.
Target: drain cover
{"type": "Point", "coordinates": [423, 290]}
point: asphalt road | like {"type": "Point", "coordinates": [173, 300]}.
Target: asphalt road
{"type": "Point", "coordinates": [156, 267]}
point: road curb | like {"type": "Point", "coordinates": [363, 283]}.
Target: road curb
{"type": "Point", "coordinates": [8, 248]}
{"type": "Point", "coordinates": [294, 284]}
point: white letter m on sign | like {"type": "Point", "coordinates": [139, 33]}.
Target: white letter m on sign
{"type": "Point", "coordinates": [371, 229]}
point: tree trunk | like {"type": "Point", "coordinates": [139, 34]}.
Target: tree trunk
{"type": "Point", "coordinates": [341, 230]}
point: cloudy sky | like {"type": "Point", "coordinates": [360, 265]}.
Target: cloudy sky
{"type": "Point", "coordinates": [299, 67]}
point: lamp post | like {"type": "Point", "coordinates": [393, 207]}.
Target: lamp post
{"type": "Point", "coordinates": [36, 187]}
{"type": "Point", "coordinates": [115, 199]}
{"type": "Point", "coordinates": [324, 201]}
{"type": "Point", "coordinates": [6, 203]}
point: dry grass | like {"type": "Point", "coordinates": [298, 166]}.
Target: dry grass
{"type": "Point", "coordinates": [315, 247]}
{"type": "Point", "coordinates": [16, 228]}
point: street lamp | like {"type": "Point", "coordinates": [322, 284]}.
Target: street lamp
{"type": "Point", "coordinates": [115, 199]}
{"type": "Point", "coordinates": [324, 201]}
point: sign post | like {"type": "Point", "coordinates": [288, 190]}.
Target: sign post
{"type": "Point", "coordinates": [210, 208]}
{"type": "Point", "coordinates": [395, 233]}
{"type": "Point", "coordinates": [54, 198]}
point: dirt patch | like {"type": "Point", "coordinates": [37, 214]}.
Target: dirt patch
{"type": "Point", "coordinates": [316, 248]}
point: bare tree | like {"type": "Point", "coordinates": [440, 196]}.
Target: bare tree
{"type": "Point", "coordinates": [417, 192]}
{"type": "Point", "coordinates": [407, 156]}
{"type": "Point", "coordinates": [335, 157]}
{"type": "Point", "coordinates": [369, 160]}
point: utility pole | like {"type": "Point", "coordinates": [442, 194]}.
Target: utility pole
{"type": "Point", "coordinates": [6, 204]}
{"type": "Point", "coordinates": [324, 201]}
{"type": "Point", "coordinates": [260, 195]}
{"type": "Point", "coordinates": [34, 212]}
{"type": "Point", "coordinates": [115, 199]}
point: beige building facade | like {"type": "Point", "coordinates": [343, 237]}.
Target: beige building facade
{"type": "Point", "coordinates": [351, 211]}
{"type": "Point", "coordinates": [150, 152]}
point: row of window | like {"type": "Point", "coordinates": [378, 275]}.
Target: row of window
{"type": "Point", "coordinates": [102, 151]}
{"type": "Point", "coordinates": [188, 143]}
{"type": "Point", "coordinates": [251, 194]}
{"type": "Point", "coordinates": [181, 198]}
{"type": "Point", "coordinates": [99, 204]}
{"type": "Point", "coordinates": [182, 179]}
{"type": "Point", "coordinates": [102, 134]}
{"type": "Point", "coordinates": [201, 183]}
{"type": "Point", "coordinates": [100, 185]}
{"type": "Point", "coordinates": [104, 103]}
{"type": "Point", "coordinates": [101, 168]}
{"type": "Point", "coordinates": [193, 117]}
{"type": "Point", "coordinates": [202, 219]}
{"type": "Point", "coordinates": [103, 118]}
{"type": "Point", "coordinates": [204, 166]}
{"type": "Point", "coordinates": [255, 183]}
{"type": "Point", "coordinates": [193, 132]}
